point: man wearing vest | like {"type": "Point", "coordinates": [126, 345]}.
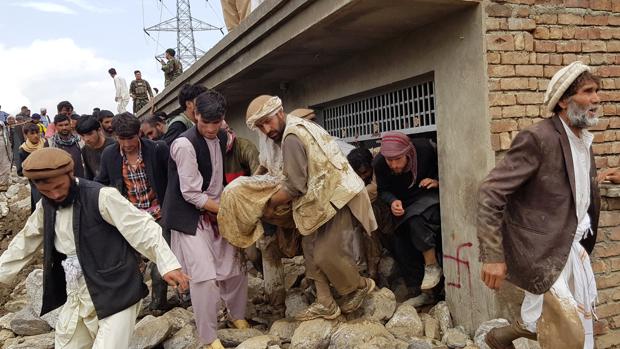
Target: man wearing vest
{"type": "Point", "coordinates": [195, 182]}
{"type": "Point", "coordinates": [328, 199]}
{"type": "Point", "coordinates": [135, 166]}
{"type": "Point", "coordinates": [183, 118]}
{"type": "Point", "coordinates": [89, 235]}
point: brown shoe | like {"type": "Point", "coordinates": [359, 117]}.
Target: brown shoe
{"type": "Point", "coordinates": [317, 310]}
{"type": "Point", "coordinates": [354, 300]}
{"type": "Point", "coordinates": [502, 337]}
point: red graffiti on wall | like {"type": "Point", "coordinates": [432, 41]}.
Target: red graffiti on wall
{"type": "Point", "coordinates": [459, 261]}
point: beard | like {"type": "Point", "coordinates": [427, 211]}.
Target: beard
{"type": "Point", "coordinates": [579, 115]}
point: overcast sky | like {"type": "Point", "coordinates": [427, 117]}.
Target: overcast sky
{"type": "Point", "coordinates": [62, 49]}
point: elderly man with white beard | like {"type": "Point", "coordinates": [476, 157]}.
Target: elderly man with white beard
{"type": "Point", "coordinates": [538, 218]}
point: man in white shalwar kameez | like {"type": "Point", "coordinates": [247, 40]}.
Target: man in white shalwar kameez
{"type": "Point", "coordinates": [122, 92]}
{"type": "Point", "coordinates": [89, 234]}
{"type": "Point", "coordinates": [538, 217]}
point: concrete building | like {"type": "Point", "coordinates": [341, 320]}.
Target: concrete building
{"type": "Point", "coordinates": [470, 73]}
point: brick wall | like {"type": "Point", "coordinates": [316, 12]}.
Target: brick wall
{"type": "Point", "coordinates": [527, 42]}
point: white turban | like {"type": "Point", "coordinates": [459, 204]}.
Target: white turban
{"type": "Point", "coordinates": [561, 81]}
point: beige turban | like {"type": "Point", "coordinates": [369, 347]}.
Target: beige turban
{"type": "Point", "coordinates": [304, 113]}
{"type": "Point", "coordinates": [261, 107]}
{"type": "Point", "coordinates": [47, 163]}
{"type": "Point", "coordinates": [561, 81]}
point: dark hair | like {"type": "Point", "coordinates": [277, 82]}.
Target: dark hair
{"type": "Point", "coordinates": [136, 72]}
{"type": "Point", "coordinates": [104, 114]}
{"type": "Point", "coordinates": [152, 120]}
{"type": "Point", "coordinates": [126, 125]}
{"type": "Point", "coordinates": [161, 114]}
{"type": "Point", "coordinates": [171, 52]}
{"type": "Point", "coordinates": [64, 104]}
{"type": "Point", "coordinates": [87, 124]}
{"type": "Point", "coordinates": [36, 116]}
{"type": "Point", "coordinates": [96, 110]}
{"type": "Point", "coordinates": [112, 71]}
{"type": "Point", "coordinates": [211, 105]}
{"type": "Point", "coordinates": [61, 118]}
{"type": "Point", "coordinates": [75, 116]}
{"type": "Point", "coordinates": [188, 93]}
{"type": "Point", "coordinates": [31, 128]}
{"type": "Point", "coordinates": [360, 158]}
{"type": "Point", "coordinates": [581, 80]}
{"type": "Point", "coordinates": [24, 107]}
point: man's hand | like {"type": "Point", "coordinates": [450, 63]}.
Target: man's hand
{"type": "Point", "coordinates": [397, 208]}
{"type": "Point", "coordinates": [429, 183]}
{"type": "Point", "coordinates": [612, 175]}
{"type": "Point", "coordinates": [493, 274]}
{"type": "Point", "coordinates": [177, 279]}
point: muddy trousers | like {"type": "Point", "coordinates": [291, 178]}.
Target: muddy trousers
{"type": "Point", "coordinates": [235, 11]}
{"type": "Point", "coordinates": [205, 302]}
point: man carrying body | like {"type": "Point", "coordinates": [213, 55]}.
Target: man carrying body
{"type": "Point", "coordinates": [538, 218]}
{"type": "Point", "coordinates": [183, 118]}
{"type": "Point", "coordinates": [328, 199]}
{"type": "Point", "coordinates": [135, 167]}
{"type": "Point", "coordinates": [140, 91]}
{"type": "Point", "coordinates": [406, 172]}
{"type": "Point", "coordinates": [196, 180]}
{"type": "Point", "coordinates": [122, 94]}
{"type": "Point", "coordinates": [98, 288]}
{"type": "Point", "coordinates": [65, 139]}
{"type": "Point", "coordinates": [95, 142]}
{"type": "Point", "coordinates": [172, 69]}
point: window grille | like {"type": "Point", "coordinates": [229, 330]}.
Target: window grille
{"type": "Point", "coordinates": [409, 109]}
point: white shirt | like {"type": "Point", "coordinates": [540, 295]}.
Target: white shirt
{"type": "Point", "coordinates": [122, 92]}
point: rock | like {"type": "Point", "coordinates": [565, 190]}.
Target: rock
{"type": "Point", "coordinates": [18, 299]}
{"type": "Point", "coordinates": [388, 270]}
{"type": "Point", "coordinates": [431, 327]}
{"type": "Point", "coordinates": [484, 328]}
{"type": "Point", "coordinates": [42, 341]}
{"type": "Point", "coordinates": [455, 338]}
{"type": "Point", "coordinates": [400, 344]}
{"type": "Point", "coordinates": [25, 323]}
{"type": "Point", "coordinates": [231, 337]}
{"type": "Point", "coordinates": [179, 318]}
{"type": "Point", "coordinates": [295, 302]}
{"type": "Point", "coordinates": [405, 324]}
{"type": "Point", "coordinates": [13, 191]}
{"type": "Point", "coordinates": [361, 332]}
{"type": "Point", "coordinates": [523, 343]}
{"type": "Point", "coordinates": [5, 321]}
{"type": "Point", "coordinates": [4, 209]}
{"type": "Point", "coordinates": [378, 306]}
{"type": "Point", "coordinates": [24, 203]}
{"type": "Point", "coordinates": [419, 344]}
{"type": "Point", "coordinates": [294, 269]}
{"type": "Point", "coordinates": [149, 332]}
{"type": "Point", "coordinates": [284, 329]}
{"type": "Point", "coordinates": [6, 334]}
{"type": "Point", "coordinates": [185, 338]}
{"type": "Point", "coordinates": [34, 290]}
{"type": "Point", "coordinates": [255, 289]}
{"type": "Point", "coordinates": [442, 314]}
{"type": "Point", "coordinates": [313, 334]}
{"type": "Point", "coordinates": [260, 342]}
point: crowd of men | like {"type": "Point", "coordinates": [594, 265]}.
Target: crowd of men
{"type": "Point", "coordinates": [105, 186]}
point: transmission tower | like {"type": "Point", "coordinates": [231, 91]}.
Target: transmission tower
{"type": "Point", "coordinates": [184, 25]}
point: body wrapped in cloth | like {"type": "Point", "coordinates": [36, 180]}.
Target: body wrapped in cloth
{"type": "Point", "coordinates": [241, 209]}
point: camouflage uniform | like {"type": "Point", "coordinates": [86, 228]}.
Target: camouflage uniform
{"type": "Point", "coordinates": [172, 69]}
{"type": "Point", "coordinates": [140, 90]}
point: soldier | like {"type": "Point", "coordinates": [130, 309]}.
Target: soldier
{"type": "Point", "coordinates": [173, 68]}
{"type": "Point", "coordinates": [140, 91]}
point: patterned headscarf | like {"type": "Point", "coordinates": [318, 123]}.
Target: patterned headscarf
{"type": "Point", "coordinates": [396, 144]}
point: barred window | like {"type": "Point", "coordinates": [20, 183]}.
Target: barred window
{"type": "Point", "coordinates": [409, 108]}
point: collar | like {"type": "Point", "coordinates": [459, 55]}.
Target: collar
{"type": "Point", "coordinates": [586, 136]}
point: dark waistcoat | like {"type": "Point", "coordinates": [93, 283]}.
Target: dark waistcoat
{"type": "Point", "coordinates": [109, 263]}
{"type": "Point", "coordinates": [179, 214]}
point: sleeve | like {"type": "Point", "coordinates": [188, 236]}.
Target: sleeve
{"type": "Point", "coordinates": [88, 173]}
{"type": "Point", "coordinates": [190, 179]}
{"type": "Point", "coordinates": [23, 247]}
{"type": "Point", "coordinates": [163, 155]}
{"type": "Point", "coordinates": [168, 67]}
{"type": "Point", "coordinates": [295, 166]}
{"type": "Point", "coordinates": [382, 181]}
{"type": "Point", "coordinates": [173, 132]}
{"type": "Point", "coordinates": [103, 177]}
{"type": "Point", "coordinates": [138, 228]}
{"type": "Point", "coordinates": [132, 88]}
{"type": "Point", "coordinates": [520, 163]}
{"type": "Point", "coordinates": [148, 89]}
{"type": "Point", "coordinates": [117, 86]}
{"type": "Point", "coordinates": [21, 158]}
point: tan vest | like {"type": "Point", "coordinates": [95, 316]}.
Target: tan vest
{"type": "Point", "coordinates": [332, 183]}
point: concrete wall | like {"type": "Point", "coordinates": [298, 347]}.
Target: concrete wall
{"type": "Point", "coordinates": [453, 50]}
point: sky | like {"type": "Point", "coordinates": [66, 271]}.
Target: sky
{"type": "Point", "coordinates": [54, 50]}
